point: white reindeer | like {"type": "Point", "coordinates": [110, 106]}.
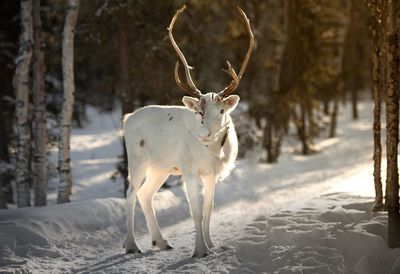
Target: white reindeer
{"type": "Point", "coordinates": [197, 141]}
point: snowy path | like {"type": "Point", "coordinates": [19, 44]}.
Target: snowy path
{"type": "Point", "coordinates": [87, 236]}
{"type": "Point", "coordinates": [334, 233]}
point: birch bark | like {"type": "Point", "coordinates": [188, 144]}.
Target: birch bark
{"type": "Point", "coordinates": [64, 159]}
{"type": "Point", "coordinates": [21, 84]}
{"type": "Point", "coordinates": [39, 113]}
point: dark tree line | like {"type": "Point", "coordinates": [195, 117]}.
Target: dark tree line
{"type": "Point", "coordinates": [305, 63]}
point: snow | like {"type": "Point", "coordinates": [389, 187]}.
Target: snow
{"type": "Point", "coordinates": [94, 155]}
{"type": "Point", "coordinates": [335, 233]}
{"type": "Point", "coordinates": [306, 214]}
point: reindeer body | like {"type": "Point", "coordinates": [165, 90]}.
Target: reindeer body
{"type": "Point", "coordinates": [163, 141]}
{"type": "Point", "coordinates": [197, 141]}
{"type": "Point", "coordinates": [164, 138]}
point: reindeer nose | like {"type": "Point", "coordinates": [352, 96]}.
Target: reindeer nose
{"type": "Point", "coordinates": [204, 132]}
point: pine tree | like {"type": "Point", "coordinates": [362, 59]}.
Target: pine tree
{"type": "Point", "coordinates": [335, 111]}
{"type": "Point", "coordinates": [64, 159]}
{"type": "Point", "coordinates": [392, 119]}
{"type": "Point", "coordinates": [353, 57]}
{"type": "Point", "coordinates": [21, 82]}
{"type": "Point", "coordinates": [297, 70]}
{"type": "Point", "coordinates": [376, 26]}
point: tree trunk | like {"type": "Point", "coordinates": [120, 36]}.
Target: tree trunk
{"type": "Point", "coordinates": [392, 118]}
{"type": "Point", "coordinates": [21, 81]}
{"type": "Point", "coordinates": [39, 114]}
{"type": "Point", "coordinates": [4, 140]}
{"type": "Point", "coordinates": [5, 176]}
{"type": "Point", "coordinates": [334, 114]}
{"type": "Point", "coordinates": [3, 202]}
{"type": "Point", "coordinates": [124, 83]}
{"type": "Point", "coordinates": [313, 127]}
{"type": "Point", "coordinates": [272, 141]}
{"type": "Point", "coordinates": [376, 87]}
{"type": "Point", "coordinates": [302, 130]}
{"type": "Point", "coordinates": [326, 106]}
{"type": "Point", "coordinates": [64, 160]}
{"type": "Point", "coordinates": [353, 52]}
{"type": "Point", "coordinates": [268, 142]}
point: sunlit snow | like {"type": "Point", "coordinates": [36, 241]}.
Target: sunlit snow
{"type": "Point", "coordinates": [305, 214]}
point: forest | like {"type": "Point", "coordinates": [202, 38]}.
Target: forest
{"type": "Point", "coordinates": [319, 109]}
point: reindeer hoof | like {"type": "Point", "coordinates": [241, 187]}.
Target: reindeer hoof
{"type": "Point", "coordinates": [133, 251]}
{"type": "Point", "coordinates": [162, 245]}
{"type": "Point", "coordinates": [201, 254]}
{"type": "Point", "coordinates": [210, 245]}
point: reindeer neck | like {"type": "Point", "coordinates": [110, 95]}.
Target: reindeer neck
{"type": "Point", "coordinates": [217, 148]}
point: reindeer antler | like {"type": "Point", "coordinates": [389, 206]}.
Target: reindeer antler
{"type": "Point", "coordinates": [236, 77]}
{"type": "Point", "coordinates": [191, 88]}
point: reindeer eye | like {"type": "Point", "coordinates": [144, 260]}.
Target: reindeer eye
{"type": "Point", "coordinates": [222, 111]}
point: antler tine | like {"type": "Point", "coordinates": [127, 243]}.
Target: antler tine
{"type": "Point", "coordinates": [251, 44]}
{"type": "Point", "coordinates": [235, 81]}
{"type": "Point", "coordinates": [231, 72]}
{"type": "Point", "coordinates": [179, 82]}
{"type": "Point", "coordinates": [194, 90]}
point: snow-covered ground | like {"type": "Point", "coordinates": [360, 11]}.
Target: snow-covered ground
{"type": "Point", "coordinates": [302, 215]}
{"type": "Point", "coordinates": [95, 150]}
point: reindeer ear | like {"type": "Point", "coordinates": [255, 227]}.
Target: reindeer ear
{"type": "Point", "coordinates": [231, 102]}
{"type": "Point", "coordinates": [190, 102]}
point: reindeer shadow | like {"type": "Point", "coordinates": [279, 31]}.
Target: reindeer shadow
{"type": "Point", "coordinates": [191, 265]}
{"type": "Point", "coordinates": [110, 261]}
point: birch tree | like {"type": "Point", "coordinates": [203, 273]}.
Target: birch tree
{"type": "Point", "coordinates": [39, 114]}
{"type": "Point", "coordinates": [64, 159]}
{"type": "Point", "coordinates": [21, 83]}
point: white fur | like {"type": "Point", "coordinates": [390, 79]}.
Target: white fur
{"type": "Point", "coordinates": [165, 140]}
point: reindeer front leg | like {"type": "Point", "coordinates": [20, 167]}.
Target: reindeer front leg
{"type": "Point", "coordinates": [209, 189]}
{"type": "Point", "coordinates": [192, 184]}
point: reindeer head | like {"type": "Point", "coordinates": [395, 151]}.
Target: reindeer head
{"type": "Point", "coordinates": [211, 109]}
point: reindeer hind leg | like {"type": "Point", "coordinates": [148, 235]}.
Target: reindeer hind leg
{"type": "Point", "coordinates": [152, 184]}
{"type": "Point", "coordinates": [137, 174]}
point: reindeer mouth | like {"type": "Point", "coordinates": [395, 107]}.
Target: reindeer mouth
{"type": "Point", "coordinates": [212, 138]}
{"type": "Point", "coordinates": [207, 140]}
